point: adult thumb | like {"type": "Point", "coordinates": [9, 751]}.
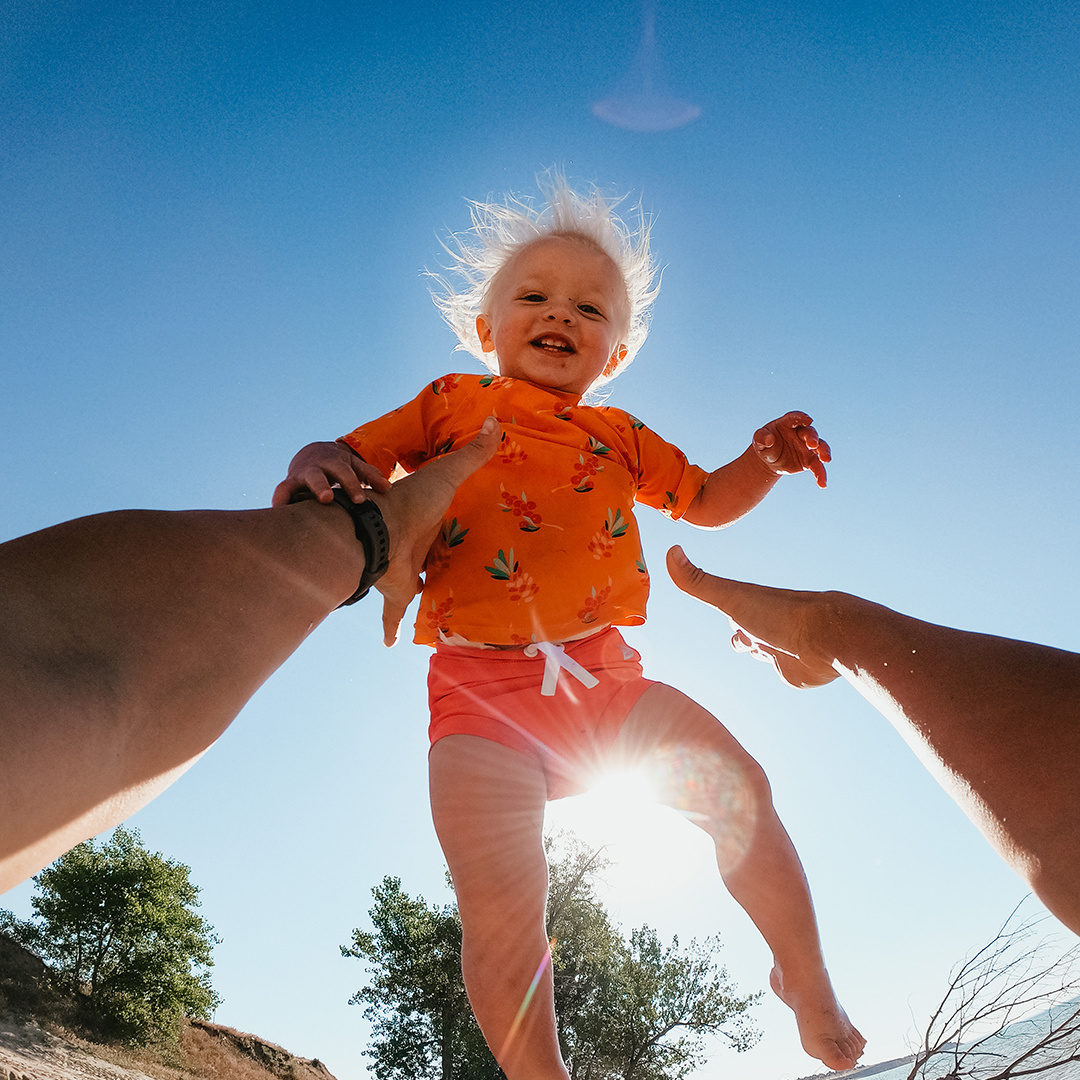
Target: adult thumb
{"type": "Point", "coordinates": [464, 462]}
{"type": "Point", "coordinates": [690, 578]}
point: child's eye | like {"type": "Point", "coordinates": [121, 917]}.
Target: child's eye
{"type": "Point", "coordinates": [589, 309]}
{"type": "Point", "coordinates": [533, 298]}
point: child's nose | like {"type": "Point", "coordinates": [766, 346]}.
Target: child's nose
{"type": "Point", "coordinates": [563, 311]}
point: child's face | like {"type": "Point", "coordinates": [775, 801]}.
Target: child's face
{"type": "Point", "coordinates": [555, 314]}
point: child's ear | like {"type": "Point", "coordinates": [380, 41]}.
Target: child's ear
{"type": "Point", "coordinates": [617, 357]}
{"type": "Point", "coordinates": [483, 332]}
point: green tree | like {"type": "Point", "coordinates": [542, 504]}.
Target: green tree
{"type": "Point", "coordinates": [117, 924]}
{"type": "Point", "coordinates": [586, 957]}
{"type": "Point", "coordinates": [422, 1025]}
{"type": "Point", "coordinates": [627, 1010]}
{"type": "Point", "coordinates": [669, 1000]}
{"type": "Point", "coordinates": [631, 1010]}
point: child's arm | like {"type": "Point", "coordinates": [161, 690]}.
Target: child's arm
{"type": "Point", "coordinates": [320, 465]}
{"type": "Point", "coordinates": [787, 445]}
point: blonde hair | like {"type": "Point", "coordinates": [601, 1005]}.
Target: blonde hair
{"type": "Point", "coordinates": [500, 230]}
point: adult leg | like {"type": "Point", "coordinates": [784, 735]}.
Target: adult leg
{"type": "Point", "coordinates": [996, 721]}
{"type": "Point", "coordinates": [487, 802]}
{"type": "Point", "coordinates": [697, 766]}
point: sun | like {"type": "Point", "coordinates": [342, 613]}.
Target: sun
{"type": "Point", "coordinates": [653, 849]}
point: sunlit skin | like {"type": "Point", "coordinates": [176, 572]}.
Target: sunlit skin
{"type": "Point", "coordinates": [994, 720]}
{"type": "Point", "coordinates": [555, 316]}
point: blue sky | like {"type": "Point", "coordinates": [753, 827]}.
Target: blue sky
{"type": "Point", "coordinates": [213, 219]}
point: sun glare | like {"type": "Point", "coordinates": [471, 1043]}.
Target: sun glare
{"type": "Point", "coordinates": [625, 792]}
{"type": "Point", "coordinates": [653, 849]}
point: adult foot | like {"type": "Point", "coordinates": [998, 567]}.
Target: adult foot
{"type": "Point", "coordinates": [825, 1031]}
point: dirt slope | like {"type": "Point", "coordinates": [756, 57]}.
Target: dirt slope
{"type": "Point", "coordinates": [41, 1038]}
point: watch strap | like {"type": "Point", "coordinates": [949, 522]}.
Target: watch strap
{"type": "Point", "coordinates": [371, 531]}
{"type": "Point", "coordinates": [374, 537]}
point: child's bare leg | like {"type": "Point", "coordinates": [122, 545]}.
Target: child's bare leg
{"type": "Point", "coordinates": [487, 802]}
{"type": "Point", "coordinates": [994, 720]}
{"type": "Point", "coordinates": [697, 766]}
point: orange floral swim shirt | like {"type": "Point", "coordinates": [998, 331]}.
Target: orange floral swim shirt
{"type": "Point", "coordinates": [540, 544]}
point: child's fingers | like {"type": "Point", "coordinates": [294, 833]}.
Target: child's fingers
{"type": "Point", "coordinates": [813, 441]}
{"type": "Point", "coordinates": [815, 455]}
{"type": "Point", "coordinates": [794, 420]}
{"type": "Point", "coordinates": [791, 444]}
{"type": "Point", "coordinates": [315, 482]}
{"type": "Point", "coordinates": [767, 445]}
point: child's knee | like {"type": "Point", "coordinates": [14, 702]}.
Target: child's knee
{"type": "Point", "coordinates": [734, 807]}
{"type": "Point", "coordinates": [739, 795]}
{"type": "Point", "coordinates": [719, 791]}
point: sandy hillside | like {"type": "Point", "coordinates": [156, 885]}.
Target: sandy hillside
{"type": "Point", "coordinates": [29, 1052]}
{"type": "Point", "coordinates": [43, 1037]}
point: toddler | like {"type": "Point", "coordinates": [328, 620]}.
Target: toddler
{"type": "Point", "coordinates": [532, 688]}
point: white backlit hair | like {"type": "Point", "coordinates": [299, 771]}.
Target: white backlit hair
{"type": "Point", "coordinates": [500, 230]}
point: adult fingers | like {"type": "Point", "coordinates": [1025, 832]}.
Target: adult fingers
{"type": "Point", "coordinates": [392, 613]}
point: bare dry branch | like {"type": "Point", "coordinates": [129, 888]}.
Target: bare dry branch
{"type": "Point", "coordinates": [976, 1029]}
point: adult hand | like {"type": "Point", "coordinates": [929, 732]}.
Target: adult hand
{"type": "Point", "coordinates": [772, 625]}
{"type": "Point", "coordinates": [414, 510]}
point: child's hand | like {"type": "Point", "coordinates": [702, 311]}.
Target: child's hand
{"type": "Point", "coordinates": [790, 445]}
{"type": "Point", "coordinates": [318, 466]}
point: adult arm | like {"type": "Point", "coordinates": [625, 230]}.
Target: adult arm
{"type": "Point", "coordinates": [130, 640]}
{"type": "Point", "coordinates": [996, 721]}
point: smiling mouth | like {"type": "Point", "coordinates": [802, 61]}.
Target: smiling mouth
{"type": "Point", "coordinates": [552, 343]}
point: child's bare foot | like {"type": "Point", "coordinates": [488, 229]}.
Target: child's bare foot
{"type": "Point", "coordinates": [824, 1028]}
{"type": "Point", "coordinates": [773, 625]}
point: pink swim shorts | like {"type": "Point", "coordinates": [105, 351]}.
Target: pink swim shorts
{"type": "Point", "coordinates": [495, 694]}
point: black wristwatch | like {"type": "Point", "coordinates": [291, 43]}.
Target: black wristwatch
{"type": "Point", "coordinates": [372, 533]}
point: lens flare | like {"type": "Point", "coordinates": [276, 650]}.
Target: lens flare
{"type": "Point", "coordinates": [512, 1033]}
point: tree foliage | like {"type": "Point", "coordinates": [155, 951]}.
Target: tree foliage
{"type": "Point", "coordinates": [628, 1010]}
{"type": "Point", "coordinates": [422, 1025]}
{"type": "Point", "coordinates": [632, 1010]}
{"type": "Point", "coordinates": [117, 924]}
